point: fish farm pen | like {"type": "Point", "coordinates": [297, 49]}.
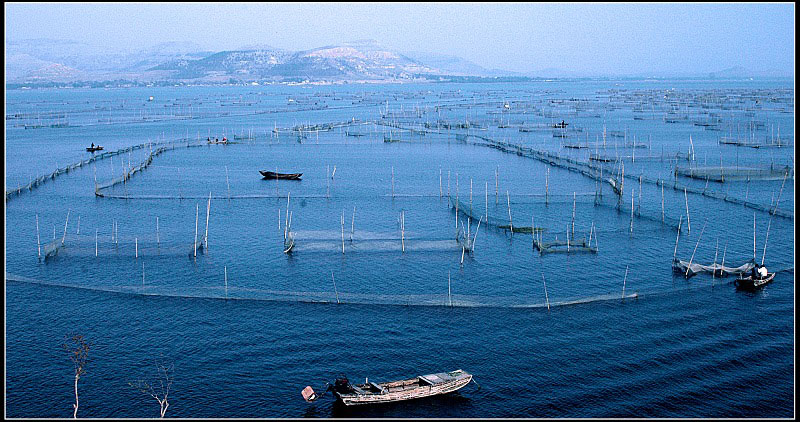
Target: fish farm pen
{"type": "Point", "coordinates": [451, 204]}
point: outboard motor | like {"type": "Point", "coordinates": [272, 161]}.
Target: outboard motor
{"type": "Point", "coordinates": [342, 385]}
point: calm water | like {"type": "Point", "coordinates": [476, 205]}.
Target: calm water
{"type": "Point", "coordinates": [682, 348]}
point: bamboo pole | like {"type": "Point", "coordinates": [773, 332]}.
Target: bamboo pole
{"type": "Point", "coordinates": [510, 222]}
{"type": "Point", "coordinates": [448, 184]}
{"type": "Point", "coordinates": [487, 203]}
{"type": "Point", "coordinates": [64, 237]}
{"type": "Point", "coordinates": [714, 267]}
{"type": "Point", "coordinates": [79, 225]}
{"type": "Point", "coordinates": [470, 195]}
{"type": "Point", "coordinates": [546, 186]}
{"type": "Point", "coordinates": [334, 288]}
{"type": "Point", "coordinates": [675, 253]}
{"type": "Point", "coordinates": [766, 238]}
{"type": "Point", "coordinates": [353, 224]}
{"type": "Point", "coordinates": [136, 241]}
{"type": "Point", "coordinates": [688, 223]}
{"type": "Point", "coordinates": [227, 182]}
{"type": "Point", "coordinates": [754, 237]}
{"type": "Point", "coordinates": [392, 181]}
{"type": "Point", "coordinates": [573, 215]}
{"type": "Point", "coordinates": [662, 203]}
{"type": "Point", "coordinates": [95, 243]}
{"type": "Point", "coordinates": [197, 211]}
{"type": "Point", "coordinates": [342, 231]}
{"type": "Point", "coordinates": [158, 238]}
{"type": "Point", "coordinates": [546, 298]}
{"type": "Point", "coordinates": [208, 213]}
{"type": "Point", "coordinates": [623, 282]}
{"type": "Point", "coordinates": [226, 282]}
{"type": "Point", "coordinates": [496, 183]}
{"type": "Point", "coordinates": [449, 298]}
{"type": "Point", "coordinates": [38, 240]}
{"type": "Point", "coordinates": [403, 230]}
{"type": "Point", "coordinates": [631, 211]}
{"type": "Point", "coordinates": [688, 268]}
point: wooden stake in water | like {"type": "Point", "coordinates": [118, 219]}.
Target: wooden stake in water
{"type": "Point", "coordinates": [496, 183]}
{"type": "Point", "coordinates": [136, 242]}
{"type": "Point", "coordinates": [342, 231]}
{"type": "Point", "coordinates": [226, 282]}
{"type": "Point", "coordinates": [623, 282]}
{"type": "Point", "coordinates": [158, 239]}
{"type": "Point", "coordinates": [547, 300]}
{"type": "Point", "coordinates": [631, 210]}
{"type": "Point", "coordinates": [392, 181]}
{"type": "Point", "coordinates": [403, 230]}
{"type": "Point", "coordinates": [334, 288]}
{"type": "Point", "coordinates": [448, 184]}
{"type": "Point", "coordinates": [662, 203]}
{"type": "Point", "coordinates": [196, 216]}
{"type": "Point", "coordinates": [573, 214]}
{"type": "Point", "coordinates": [689, 267]}
{"type": "Point", "coordinates": [510, 222]}
{"type": "Point", "coordinates": [440, 182]}
{"type": "Point", "coordinates": [766, 238]}
{"type": "Point", "coordinates": [688, 223]}
{"type": "Point", "coordinates": [38, 240]}
{"type": "Point", "coordinates": [546, 186]}
{"type": "Point", "coordinates": [449, 299]}
{"type": "Point", "coordinates": [79, 225]}
{"type": "Point", "coordinates": [754, 237]}
{"type": "Point", "coordinates": [353, 224]}
{"type": "Point", "coordinates": [64, 237]}
{"type": "Point", "coordinates": [674, 254]}
{"type": "Point", "coordinates": [208, 213]}
{"type": "Point", "coordinates": [95, 243]}
{"type": "Point", "coordinates": [714, 266]}
{"type": "Point", "coordinates": [470, 195]}
{"type": "Point", "coordinates": [227, 182]}
{"type": "Point", "coordinates": [487, 203]}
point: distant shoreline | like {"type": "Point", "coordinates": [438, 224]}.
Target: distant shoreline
{"type": "Point", "coordinates": [433, 79]}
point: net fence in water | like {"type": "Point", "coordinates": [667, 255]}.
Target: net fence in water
{"type": "Point", "coordinates": [722, 174]}
{"type": "Point", "coordinates": [693, 268]}
{"type": "Point", "coordinates": [232, 292]}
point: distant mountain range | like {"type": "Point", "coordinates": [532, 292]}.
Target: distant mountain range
{"type": "Point", "coordinates": [59, 61]}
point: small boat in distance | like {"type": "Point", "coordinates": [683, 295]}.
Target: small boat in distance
{"type": "Point", "coordinates": [273, 175]}
{"type": "Point", "coordinates": [94, 148]}
{"type": "Point", "coordinates": [393, 391]}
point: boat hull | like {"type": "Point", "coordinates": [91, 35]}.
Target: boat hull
{"type": "Point", "coordinates": [749, 283]}
{"type": "Point", "coordinates": [403, 394]}
{"type": "Point", "coordinates": [285, 176]}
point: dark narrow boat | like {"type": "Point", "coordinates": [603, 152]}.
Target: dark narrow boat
{"type": "Point", "coordinates": [95, 148]}
{"type": "Point", "coordinates": [286, 176]}
{"type": "Point", "coordinates": [753, 283]}
{"type": "Point", "coordinates": [394, 391]}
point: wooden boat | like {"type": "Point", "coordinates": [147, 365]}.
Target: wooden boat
{"type": "Point", "coordinates": [94, 148]}
{"type": "Point", "coordinates": [753, 283]}
{"type": "Point", "coordinates": [287, 176]}
{"type": "Point", "coordinates": [394, 391]}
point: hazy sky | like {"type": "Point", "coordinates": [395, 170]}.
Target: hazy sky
{"type": "Point", "coordinates": [593, 38]}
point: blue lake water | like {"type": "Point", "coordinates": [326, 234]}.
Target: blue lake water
{"type": "Point", "coordinates": [247, 326]}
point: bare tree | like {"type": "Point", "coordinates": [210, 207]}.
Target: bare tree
{"type": "Point", "coordinates": [78, 349]}
{"type": "Point", "coordinates": [159, 389]}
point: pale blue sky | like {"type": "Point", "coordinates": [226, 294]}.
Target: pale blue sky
{"type": "Point", "coordinates": [596, 38]}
